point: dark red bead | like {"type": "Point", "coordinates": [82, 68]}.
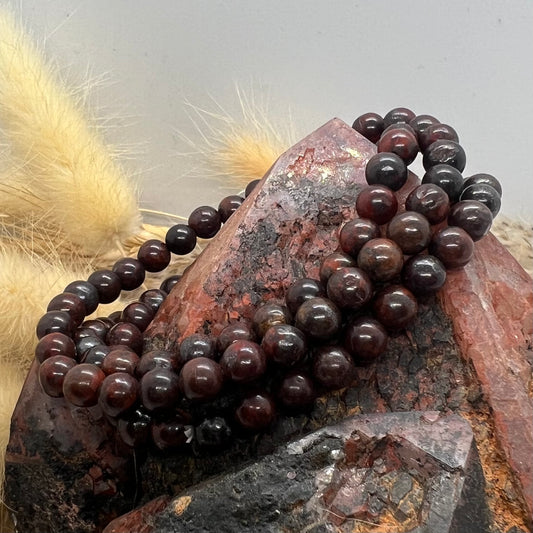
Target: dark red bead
{"type": "Point", "coordinates": [333, 262]}
{"type": "Point", "coordinates": [472, 216]}
{"type": "Point", "coordinates": [135, 428]}
{"type": "Point", "coordinates": [395, 307]}
{"type": "Point", "coordinates": [369, 125]}
{"type": "Point", "coordinates": [243, 361]}
{"type": "Point", "coordinates": [232, 333]}
{"type": "Point", "coordinates": [250, 187]}
{"type": "Point", "coordinates": [55, 321]}
{"type": "Point", "coordinates": [256, 412]}
{"type": "Point", "coordinates": [381, 259]}
{"type": "Point", "coordinates": [96, 355]}
{"type": "Point", "coordinates": [169, 434]}
{"type": "Point", "coordinates": [196, 345]}
{"type": "Point", "coordinates": [430, 201]}
{"type": "Point", "coordinates": [378, 203]}
{"type": "Point", "coordinates": [120, 359]}
{"type": "Point", "coordinates": [445, 152]}
{"type": "Point", "coordinates": [71, 303]}
{"type": "Point", "coordinates": [159, 389]}
{"type": "Point", "coordinates": [154, 255]}
{"type": "Point", "coordinates": [138, 314]}
{"type": "Point", "coordinates": [268, 315]}
{"type": "Point", "coordinates": [355, 233]}
{"type": "Point", "coordinates": [201, 379]}
{"type": "Point", "coordinates": [349, 288]}
{"type": "Point", "coordinates": [436, 132]}
{"type": "Point", "coordinates": [169, 283]}
{"type": "Point", "coordinates": [484, 194]}
{"type": "Point", "coordinates": [107, 284]}
{"type": "Point", "coordinates": [180, 239]}
{"type": "Point", "coordinates": [448, 178]}
{"type": "Point", "coordinates": [55, 344]}
{"type": "Point", "coordinates": [284, 344]}
{"type": "Point", "coordinates": [82, 384]}
{"type": "Point", "coordinates": [205, 221]}
{"type": "Point", "coordinates": [421, 122]}
{"type": "Point", "coordinates": [52, 374]}
{"type": "Point", "coordinates": [86, 343]}
{"type": "Point", "coordinates": [365, 339]}
{"type": "Point", "coordinates": [333, 367]}
{"type": "Point", "coordinates": [486, 179]}
{"type": "Point", "coordinates": [98, 326]}
{"type": "Point", "coordinates": [423, 274]}
{"type": "Point", "coordinates": [386, 168]}
{"type": "Point", "coordinates": [156, 359]}
{"type": "Point", "coordinates": [153, 298]}
{"type": "Point", "coordinates": [301, 290]}
{"type": "Point", "coordinates": [297, 390]}
{"type": "Point", "coordinates": [400, 142]}
{"type": "Point", "coordinates": [126, 334]}
{"type": "Point", "coordinates": [119, 393]}
{"type": "Point", "coordinates": [228, 206]}
{"type": "Point", "coordinates": [398, 115]}
{"type": "Point", "coordinates": [86, 292]}
{"type": "Point", "coordinates": [131, 273]}
{"type": "Point", "coordinates": [319, 318]}
{"type": "Point", "coordinates": [453, 246]}
{"type": "Point", "coordinates": [410, 231]}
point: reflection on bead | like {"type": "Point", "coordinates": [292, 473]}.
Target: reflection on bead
{"type": "Point", "coordinates": [378, 203]}
{"type": "Point", "coordinates": [395, 307]}
{"type": "Point", "coordinates": [243, 361]}
{"type": "Point", "coordinates": [118, 393]}
{"type": "Point", "coordinates": [81, 385]}
{"type": "Point", "coordinates": [365, 339]}
{"type": "Point", "coordinates": [453, 246]}
{"type": "Point", "coordinates": [201, 379]}
{"type": "Point", "coordinates": [333, 262]}
{"type": "Point", "coordinates": [52, 374]}
{"type": "Point", "coordinates": [349, 288]}
{"type": "Point", "coordinates": [284, 344]}
{"type": "Point", "coordinates": [386, 169]}
{"type": "Point", "coordinates": [423, 274]}
{"type": "Point", "coordinates": [319, 318]}
{"type": "Point", "coordinates": [297, 390]}
{"type": "Point", "coordinates": [256, 411]}
{"type": "Point", "coordinates": [301, 290]}
{"type": "Point", "coordinates": [333, 367]}
{"type": "Point", "coordinates": [484, 194]}
{"type": "Point", "coordinates": [445, 152]}
{"type": "Point", "coordinates": [410, 231]}
{"type": "Point", "coordinates": [448, 178]}
{"type": "Point", "coordinates": [355, 233]}
{"type": "Point", "coordinates": [472, 216]}
{"type": "Point", "coordinates": [55, 344]}
{"type": "Point", "coordinates": [430, 201]}
{"type": "Point", "coordinates": [381, 259]}
{"type": "Point", "coordinates": [369, 125]}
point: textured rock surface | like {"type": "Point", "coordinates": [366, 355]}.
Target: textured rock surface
{"type": "Point", "coordinates": [64, 470]}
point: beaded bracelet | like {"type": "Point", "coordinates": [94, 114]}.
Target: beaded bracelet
{"type": "Point", "coordinates": [290, 353]}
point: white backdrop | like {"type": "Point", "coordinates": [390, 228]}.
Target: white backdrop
{"type": "Point", "coordinates": [467, 62]}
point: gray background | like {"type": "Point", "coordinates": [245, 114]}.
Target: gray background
{"type": "Point", "coordinates": [466, 62]}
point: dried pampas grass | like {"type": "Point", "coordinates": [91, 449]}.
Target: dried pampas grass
{"type": "Point", "coordinates": [517, 236]}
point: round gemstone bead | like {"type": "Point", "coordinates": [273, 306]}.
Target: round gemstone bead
{"type": "Point", "coordinates": [134, 429]}
{"type": "Point", "coordinates": [486, 179]}
{"type": "Point", "coordinates": [268, 315]}
{"type": "Point", "coordinates": [138, 314]}
{"type": "Point", "coordinates": [205, 221]}
{"type": "Point", "coordinates": [86, 343]}
{"type": "Point", "coordinates": [378, 203]}
{"type": "Point", "coordinates": [386, 168]}
{"type": "Point", "coordinates": [234, 332]}
{"type": "Point", "coordinates": [126, 334]}
{"type": "Point", "coordinates": [369, 125]}
{"type": "Point", "coordinates": [71, 303]}
{"type": "Point", "coordinates": [156, 359]}
{"type": "Point", "coordinates": [228, 206]}
{"type": "Point", "coordinates": [131, 273]}
{"type": "Point", "coordinates": [55, 344]}
{"type": "Point", "coordinates": [421, 122]}
{"type": "Point", "coordinates": [153, 298]}
{"type": "Point", "coordinates": [284, 344]}
{"type": "Point", "coordinates": [448, 178]}
{"type": "Point", "coordinates": [423, 274]}
{"type": "Point", "coordinates": [453, 246]}
{"type": "Point", "coordinates": [55, 322]}
{"type": "Point", "coordinates": [169, 283]}
{"type": "Point", "coordinates": [169, 434]}
{"type": "Point", "coordinates": [213, 433]}
{"type": "Point", "coordinates": [319, 318]}
{"type": "Point", "coordinates": [349, 288]}
{"type": "Point", "coordinates": [485, 194]}
{"type": "Point", "coordinates": [395, 307]}
{"type": "Point", "coordinates": [98, 326]}
{"type": "Point", "coordinates": [81, 385]}
{"type": "Point", "coordinates": [96, 355]}
{"type": "Point", "coordinates": [87, 292]}
{"type": "Point", "coordinates": [180, 239]}
{"type": "Point", "coordinates": [243, 361]}
{"type": "Point", "coordinates": [445, 152]}
{"type": "Point", "coordinates": [436, 132]}
{"type": "Point", "coordinates": [472, 216]}
{"type": "Point", "coordinates": [355, 233]}
{"type": "Point", "coordinates": [201, 379]}
{"type": "Point", "coordinates": [107, 284]}
{"type": "Point", "coordinates": [430, 201]}
{"type": "Point", "coordinates": [251, 187]}
{"type": "Point", "coordinates": [333, 367]}
{"type": "Point", "coordinates": [52, 372]}
{"type": "Point", "coordinates": [120, 359]}
{"type": "Point", "coordinates": [398, 115]}
{"type": "Point", "coordinates": [365, 339]}
{"type": "Point", "coordinates": [196, 345]}
{"type": "Point", "coordinates": [333, 262]}
{"type": "Point", "coordinates": [410, 231]}
{"type": "Point", "coordinates": [256, 412]}
{"type": "Point", "coordinates": [301, 290]}
{"type": "Point", "coordinates": [119, 393]}
{"type": "Point", "coordinates": [154, 255]}
{"type": "Point", "coordinates": [401, 142]}
{"type": "Point", "coordinates": [297, 390]}
{"type": "Point", "coordinates": [159, 389]}
{"type": "Point", "coordinates": [381, 259]}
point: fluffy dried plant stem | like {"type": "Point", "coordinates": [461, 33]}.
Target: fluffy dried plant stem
{"type": "Point", "coordinates": [517, 236]}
